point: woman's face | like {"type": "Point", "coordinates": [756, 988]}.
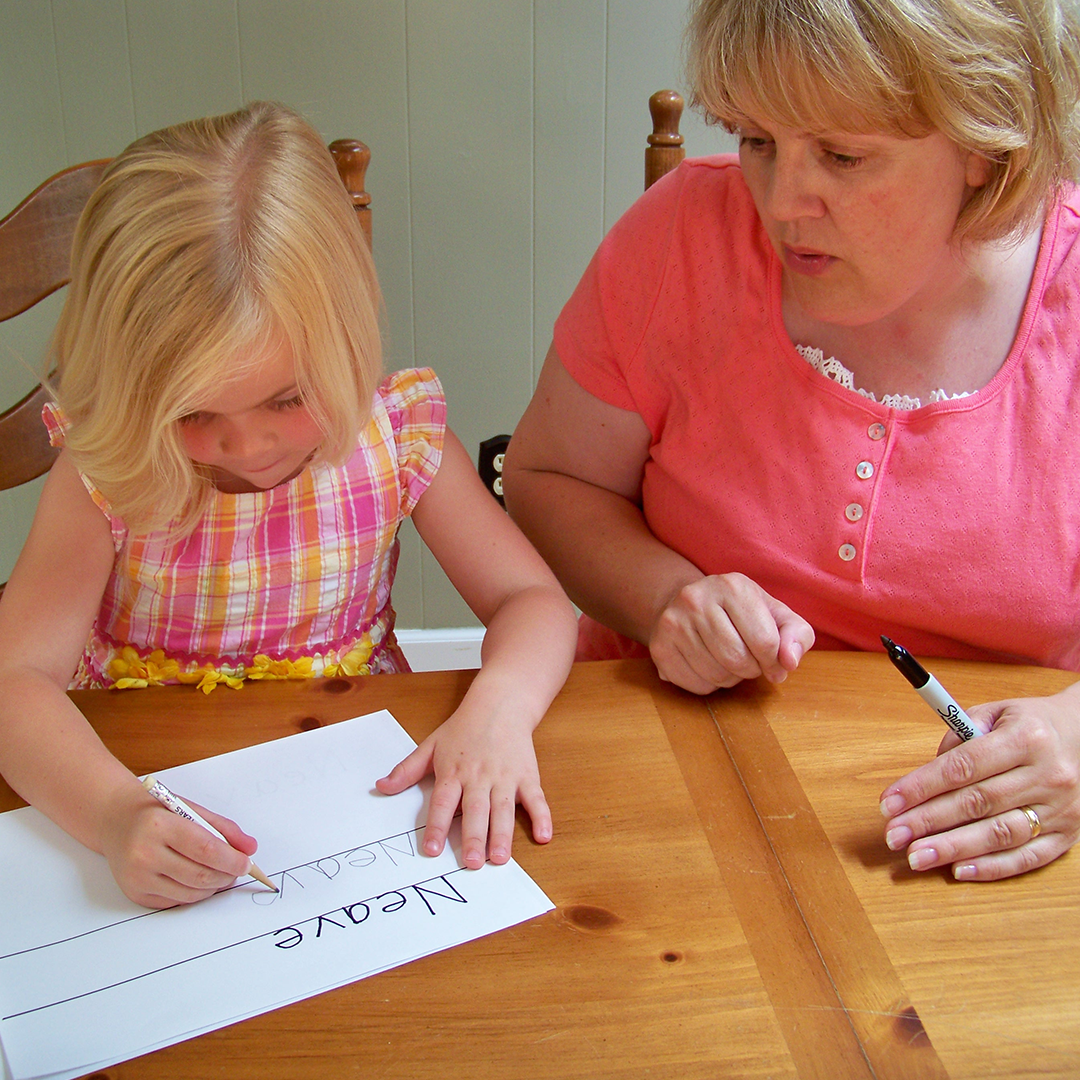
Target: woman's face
{"type": "Point", "coordinates": [863, 224]}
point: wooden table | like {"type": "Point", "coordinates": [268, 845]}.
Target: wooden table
{"type": "Point", "coordinates": [726, 906]}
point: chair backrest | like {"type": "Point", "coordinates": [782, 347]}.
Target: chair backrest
{"type": "Point", "coordinates": [35, 253]}
{"type": "Point", "coordinates": [663, 153]}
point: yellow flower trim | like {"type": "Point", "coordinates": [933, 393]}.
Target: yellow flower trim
{"type": "Point", "coordinates": [354, 662]}
{"type": "Point", "coordinates": [130, 671]}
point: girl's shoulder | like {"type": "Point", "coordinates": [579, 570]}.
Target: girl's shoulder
{"type": "Point", "coordinates": [408, 386]}
{"type": "Point", "coordinates": [57, 423]}
{"type": "Point", "coordinates": [414, 402]}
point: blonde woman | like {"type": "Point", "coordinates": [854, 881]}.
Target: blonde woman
{"type": "Point", "coordinates": [828, 389]}
{"type": "Point", "coordinates": [226, 505]}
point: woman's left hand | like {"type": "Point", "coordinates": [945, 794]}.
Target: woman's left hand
{"type": "Point", "coordinates": [966, 808]}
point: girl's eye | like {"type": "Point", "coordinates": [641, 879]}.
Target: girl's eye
{"type": "Point", "coordinates": [192, 418]}
{"type": "Point", "coordinates": [288, 403]}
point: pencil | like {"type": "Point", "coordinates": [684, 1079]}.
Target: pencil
{"type": "Point", "coordinates": [177, 805]}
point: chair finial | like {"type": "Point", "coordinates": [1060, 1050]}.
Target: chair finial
{"type": "Point", "coordinates": [665, 149]}
{"type": "Point", "coordinates": [352, 158]}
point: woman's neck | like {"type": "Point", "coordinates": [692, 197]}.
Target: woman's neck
{"type": "Point", "coordinates": [956, 341]}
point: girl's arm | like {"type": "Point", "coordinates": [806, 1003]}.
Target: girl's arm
{"type": "Point", "coordinates": [573, 480]}
{"type": "Point", "coordinates": [483, 756]}
{"type": "Point", "coordinates": [49, 754]}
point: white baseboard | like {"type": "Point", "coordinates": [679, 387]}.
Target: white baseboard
{"type": "Point", "coordinates": [447, 649]}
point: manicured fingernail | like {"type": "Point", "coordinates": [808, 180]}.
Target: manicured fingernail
{"type": "Point", "coordinates": [899, 837]}
{"type": "Point", "coordinates": [964, 872]}
{"type": "Point", "coordinates": [921, 859]}
{"type": "Point", "coordinates": [891, 805]}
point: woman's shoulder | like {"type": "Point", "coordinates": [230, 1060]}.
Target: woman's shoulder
{"type": "Point", "coordinates": [703, 203]}
{"type": "Point", "coordinates": [711, 185]}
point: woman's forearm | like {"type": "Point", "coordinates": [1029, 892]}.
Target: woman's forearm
{"type": "Point", "coordinates": [599, 546]}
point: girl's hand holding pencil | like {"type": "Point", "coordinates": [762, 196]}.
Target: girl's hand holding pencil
{"type": "Point", "coordinates": [160, 859]}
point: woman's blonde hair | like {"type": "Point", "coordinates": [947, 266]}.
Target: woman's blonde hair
{"type": "Point", "coordinates": [1000, 78]}
{"type": "Point", "coordinates": [204, 246]}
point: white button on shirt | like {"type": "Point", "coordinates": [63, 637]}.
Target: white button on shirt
{"type": "Point", "coordinates": [876, 432]}
{"type": "Point", "coordinates": [853, 512]}
{"type": "Point", "coordinates": [847, 552]}
{"type": "Point", "coordinates": [864, 470]}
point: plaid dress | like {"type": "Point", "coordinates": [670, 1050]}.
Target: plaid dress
{"type": "Point", "coordinates": [292, 582]}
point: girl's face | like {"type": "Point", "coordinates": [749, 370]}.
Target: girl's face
{"type": "Point", "coordinates": [256, 432]}
{"type": "Point", "coordinates": [863, 224]}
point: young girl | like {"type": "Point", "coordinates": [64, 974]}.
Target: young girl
{"type": "Point", "coordinates": [228, 496]}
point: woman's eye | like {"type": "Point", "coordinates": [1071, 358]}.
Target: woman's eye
{"type": "Point", "coordinates": [288, 403]}
{"type": "Point", "coordinates": [754, 142]}
{"type": "Point", "coordinates": [844, 161]}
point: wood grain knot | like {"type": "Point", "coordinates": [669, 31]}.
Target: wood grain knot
{"type": "Point", "coordinates": [336, 686]}
{"type": "Point", "coordinates": [587, 917]}
{"type": "Point", "coordinates": [910, 1028]}
{"type": "Point", "coordinates": [309, 723]}
{"type": "Point", "coordinates": [671, 956]}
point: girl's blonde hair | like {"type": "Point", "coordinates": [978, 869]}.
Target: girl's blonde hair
{"type": "Point", "coordinates": [998, 77]}
{"type": "Point", "coordinates": [204, 246]}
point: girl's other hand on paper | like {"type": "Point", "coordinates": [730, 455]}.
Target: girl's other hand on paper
{"type": "Point", "coordinates": [963, 809]}
{"type": "Point", "coordinates": [485, 765]}
{"type": "Point", "coordinates": [160, 859]}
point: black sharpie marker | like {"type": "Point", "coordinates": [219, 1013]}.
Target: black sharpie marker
{"type": "Point", "coordinates": [930, 690]}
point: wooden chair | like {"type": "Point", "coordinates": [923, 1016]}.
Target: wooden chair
{"type": "Point", "coordinates": [35, 253]}
{"type": "Point", "coordinates": [663, 153]}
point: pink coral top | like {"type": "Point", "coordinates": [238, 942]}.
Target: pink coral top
{"type": "Point", "coordinates": [953, 528]}
{"type": "Point", "coordinates": [281, 583]}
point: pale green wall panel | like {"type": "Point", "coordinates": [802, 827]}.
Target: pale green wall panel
{"type": "Point", "coordinates": [95, 77]}
{"type": "Point", "coordinates": [644, 54]}
{"type": "Point", "coordinates": [185, 60]}
{"type": "Point", "coordinates": [16, 513]}
{"type": "Point", "coordinates": [470, 148]}
{"type": "Point", "coordinates": [569, 119]}
{"type": "Point", "coordinates": [31, 119]}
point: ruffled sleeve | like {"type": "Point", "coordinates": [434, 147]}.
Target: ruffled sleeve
{"type": "Point", "coordinates": [56, 423]}
{"type": "Point", "coordinates": [416, 405]}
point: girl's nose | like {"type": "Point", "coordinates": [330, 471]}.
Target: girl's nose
{"type": "Point", "coordinates": [241, 437]}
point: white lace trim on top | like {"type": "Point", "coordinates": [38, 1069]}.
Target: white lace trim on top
{"type": "Point", "coordinates": [833, 369]}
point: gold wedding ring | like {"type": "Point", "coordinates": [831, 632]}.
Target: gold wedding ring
{"type": "Point", "coordinates": [1033, 821]}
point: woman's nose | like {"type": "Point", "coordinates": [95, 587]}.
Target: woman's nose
{"type": "Point", "coordinates": [792, 191]}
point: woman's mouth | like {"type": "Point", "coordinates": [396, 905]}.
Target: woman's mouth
{"type": "Point", "coordinates": [807, 261]}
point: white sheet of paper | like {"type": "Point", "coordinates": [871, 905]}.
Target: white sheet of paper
{"type": "Point", "coordinates": [88, 979]}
